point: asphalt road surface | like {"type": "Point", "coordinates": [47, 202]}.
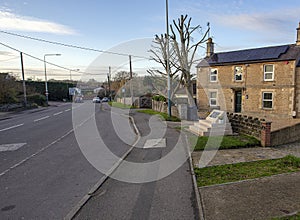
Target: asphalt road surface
{"type": "Point", "coordinates": [51, 159]}
{"type": "Point", "coordinates": [43, 172]}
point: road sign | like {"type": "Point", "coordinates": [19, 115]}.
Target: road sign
{"type": "Point", "coordinates": [72, 91]}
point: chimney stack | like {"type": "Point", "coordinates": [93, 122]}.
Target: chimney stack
{"type": "Point", "coordinates": [210, 46]}
{"type": "Point", "coordinates": [298, 36]}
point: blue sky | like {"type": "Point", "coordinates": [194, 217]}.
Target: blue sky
{"type": "Point", "coordinates": [108, 25]}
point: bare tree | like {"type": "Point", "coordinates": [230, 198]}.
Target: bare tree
{"type": "Point", "coordinates": [182, 54]}
{"type": "Point", "coordinates": [159, 52]}
{"type": "Point", "coordinates": [185, 50]}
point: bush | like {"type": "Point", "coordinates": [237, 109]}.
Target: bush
{"type": "Point", "coordinates": [37, 99]}
{"type": "Point", "coordinates": [159, 98]}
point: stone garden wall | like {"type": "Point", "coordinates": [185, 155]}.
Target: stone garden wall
{"type": "Point", "coordinates": [255, 127]}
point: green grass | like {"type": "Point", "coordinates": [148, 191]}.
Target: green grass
{"type": "Point", "coordinates": [248, 170]}
{"type": "Point", "coordinates": [227, 142]}
{"type": "Point", "coordinates": [165, 116]}
{"type": "Point", "coordinates": [119, 105]}
{"type": "Point", "coordinates": [293, 217]}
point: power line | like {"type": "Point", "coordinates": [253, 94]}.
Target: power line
{"type": "Point", "coordinates": [62, 67]}
{"type": "Point", "coordinates": [53, 64]}
{"type": "Point", "coordinates": [70, 45]}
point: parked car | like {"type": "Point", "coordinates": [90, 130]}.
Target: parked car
{"type": "Point", "coordinates": [96, 100]}
{"type": "Point", "coordinates": [105, 99]}
{"type": "Point", "coordinates": [78, 99]}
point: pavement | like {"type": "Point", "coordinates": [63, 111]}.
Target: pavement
{"type": "Point", "coordinates": [147, 192]}
{"type": "Point", "coordinates": [261, 198]}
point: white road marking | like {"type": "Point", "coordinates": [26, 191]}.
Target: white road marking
{"type": "Point", "coordinates": [155, 143]}
{"type": "Point", "coordinates": [36, 153]}
{"type": "Point", "coordinates": [11, 147]}
{"type": "Point", "coordinates": [39, 119]}
{"type": "Point", "coordinates": [44, 148]}
{"type": "Point", "coordinates": [58, 113]}
{"type": "Point", "coordinates": [15, 126]}
{"type": "Point", "coordinates": [67, 110]}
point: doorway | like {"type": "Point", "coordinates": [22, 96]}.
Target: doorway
{"type": "Point", "coordinates": [238, 101]}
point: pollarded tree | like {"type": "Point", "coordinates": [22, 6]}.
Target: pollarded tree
{"type": "Point", "coordinates": [185, 50]}
{"type": "Point", "coordinates": [159, 55]}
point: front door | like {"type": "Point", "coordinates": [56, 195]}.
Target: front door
{"type": "Point", "coordinates": [238, 101]}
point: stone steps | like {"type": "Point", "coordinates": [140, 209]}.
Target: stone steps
{"type": "Point", "coordinates": [201, 128]}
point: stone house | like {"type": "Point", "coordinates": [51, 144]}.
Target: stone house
{"type": "Point", "coordinates": [260, 82]}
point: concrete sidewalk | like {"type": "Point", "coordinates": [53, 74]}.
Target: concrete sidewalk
{"type": "Point", "coordinates": [172, 197]}
{"type": "Point", "coordinates": [262, 198]}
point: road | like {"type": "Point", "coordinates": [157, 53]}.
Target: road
{"type": "Point", "coordinates": [43, 172]}
{"type": "Point", "coordinates": [50, 160]}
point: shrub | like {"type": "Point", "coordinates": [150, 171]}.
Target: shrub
{"type": "Point", "coordinates": [159, 98]}
{"type": "Point", "coordinates": [37, 99]}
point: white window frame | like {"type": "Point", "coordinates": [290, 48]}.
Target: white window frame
{"type": "Point", "coordinates": [213, 74]}
{"type": "Point", "coordinates": [267, 100]}
{"type": "Point", "coordinates": [236, 74]}
{"type": "Point", "coordinates": [213, 99]}
{"type": "Point", "coordinates": [268, 72]}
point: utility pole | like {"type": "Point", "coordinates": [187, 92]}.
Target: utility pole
{"type": "Point", "coordinates": [23, 78]}
{"type": "Point", "coordinates": [108, 80]}
{"type": "Point", "coordinates": [131, 89]}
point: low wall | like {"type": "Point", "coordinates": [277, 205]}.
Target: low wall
{"type": "Point", "coordinates": [163, 107]}
{"type": "Point", "coordinates": [245, 124]}
{"type": "Point", "coordinates": [128, 101]}
{"type": "Point", "coordinates": [286, 135]}
{"type": "Point", "coordinates": [139, 102]}
{"type": "Point", "coordinates": [255, 127]}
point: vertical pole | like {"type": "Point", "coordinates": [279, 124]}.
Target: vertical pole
{"type": "Point", "coordinates": [108, 80]}
{"type": "Point", "coordinates": [23, 78]}
{"type": "Point", "coordinates": [168, 62]}
{"type": "Point", "coordinates": [131, 89]}
{"type": "Point", "coordinates": [46, 84]}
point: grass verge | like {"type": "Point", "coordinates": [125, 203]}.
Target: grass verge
{"type": "Point", "coordinates": [249, 170]}
{"type": "Point", "coordinates": [119, 105]}
{"type": "Point", "coordinates": [293, 217]}
{"type": "Point", "coordinates": [165, 116]}
{"type": "Point", "coordinates": [227, 142]}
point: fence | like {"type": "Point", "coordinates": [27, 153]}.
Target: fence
{"type": "Point", "coordinates": [163, 107]}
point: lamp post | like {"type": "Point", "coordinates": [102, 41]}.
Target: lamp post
{"type": "Point", "coordinates": [46, 83]}
{"type": "Point", "coordinates": [71, 73]}
{"type": "Point", "coordinates": [168, 62]}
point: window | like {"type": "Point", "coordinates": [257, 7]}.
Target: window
{"type": "Point", "coordinates": [213, 98]}
{"type": "Point", "coordinates": [238, 73]}
{"type": "Point", "coordinates": [268, 72]}
{"type": "Point", "coordinates": [267, 100]}
{"type": "Point", "coordinates": [213, 75]}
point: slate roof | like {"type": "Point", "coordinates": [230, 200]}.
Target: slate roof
{"type": "Point", "coordinates": [264, 54]}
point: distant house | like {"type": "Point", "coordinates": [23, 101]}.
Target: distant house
{"type": "Point", "coordinates": [262, 81]}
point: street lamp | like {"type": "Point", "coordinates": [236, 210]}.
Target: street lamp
{"type": "Point", "coordinates": [46, 83]}
{"type": "Point", "coordinates": [168, 62]}
{"type": "Point", "coordinates": [71, 73]}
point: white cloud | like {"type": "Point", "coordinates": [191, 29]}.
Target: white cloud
{"type": "Point", "coordinates": [272, 22]}
{"type": "Point", "coordinates": [10, 21]}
